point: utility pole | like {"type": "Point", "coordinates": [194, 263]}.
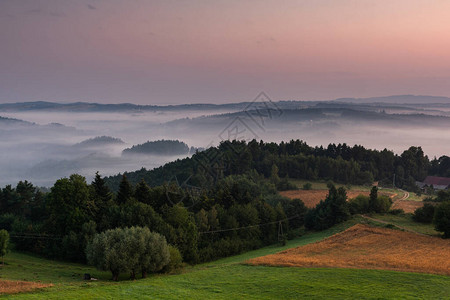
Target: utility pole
{"type": "Point", "coordinates": [281, 237]}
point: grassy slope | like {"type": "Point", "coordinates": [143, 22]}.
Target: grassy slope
{"type": "Point", "coordinates": [406, 221]}
{"type": "Point", "coordinates": [227, 279]}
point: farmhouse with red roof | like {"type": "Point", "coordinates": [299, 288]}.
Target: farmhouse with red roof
{"type": "Point", "coordinates": [438, 183]}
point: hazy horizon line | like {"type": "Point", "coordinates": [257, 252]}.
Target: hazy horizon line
{"type": "Point", "coordinates": [68, 102]}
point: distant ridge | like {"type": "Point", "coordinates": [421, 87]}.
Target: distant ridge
{"type": "Point", "coordinates": [291, 104]}
{"type": "Point", "coordinates": [399, 99]}
{"type": "Point", "coordinates": [99, 107]}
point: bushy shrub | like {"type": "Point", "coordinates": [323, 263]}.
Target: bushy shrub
{"type": "Point", "coordinates": [307, 186]}
{"type": "Point", "coordinates": [441, 218]}
{"type": "Point", "coordinates": [397, 211]}
{"type": "Point", "coordinates": [424, 214]}
{"type": "Point", "coordinates": [285, 185]}
{"type": "Point", "coordinates": [442, 196]}
{"type": "Point", "coordinates": [390, 226]}
{"type": "Point", "coordinates": [359, 205]}
{"type": "Point", "coordinates": [382, 204]}
{"type": "Point", "coordinates": [175, 261]}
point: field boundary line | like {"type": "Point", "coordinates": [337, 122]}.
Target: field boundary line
{"type": "Point", "coordinates": [401, 227]}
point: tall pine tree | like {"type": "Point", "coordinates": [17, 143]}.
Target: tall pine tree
{"type": "Point", "coordinates": [142, 192]}
{"type": "Point", "coordinates": [125, 192]}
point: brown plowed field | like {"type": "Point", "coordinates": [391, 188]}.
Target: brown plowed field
{"type": "Point", "coordinates": [13, 287]}
{"type": "Point", "coordinates": [312, 197]}
{"type": "Point", "coordinates": [409, 206]}
{"type": "Point", "coordinates": [366, 247]}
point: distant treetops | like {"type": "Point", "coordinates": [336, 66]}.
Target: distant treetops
{"type": "Point", "coordinates": [161, 147]}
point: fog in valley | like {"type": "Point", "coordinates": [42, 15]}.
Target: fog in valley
{"type": "Point", "coordinates": [42, 144]}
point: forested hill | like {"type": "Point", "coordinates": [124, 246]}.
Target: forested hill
{"type": "Point", "coordinates": [220, 202]}
{"type": "Point", "coordinates": [13, 122]}
{"type": "Point", "coordinates": [294, 159]}
{"type": "Point", "coordinates": [162, 147]}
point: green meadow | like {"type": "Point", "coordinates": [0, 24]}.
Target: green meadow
{"type": "Point", "coordinates": [227, 278]}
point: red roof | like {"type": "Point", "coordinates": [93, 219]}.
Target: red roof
{"type": "Point", "coordinates": [434, 180]}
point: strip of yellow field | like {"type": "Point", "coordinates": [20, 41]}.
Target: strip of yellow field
{"type": "Point", "coordinates": [366, 247]}
{"type": "Point", "coordinates": [408, 206]}
{"type": "Point", "coordinates": [312, 197]}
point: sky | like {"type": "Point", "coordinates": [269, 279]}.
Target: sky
{"type": "Point", "coordinates": [171, 52]}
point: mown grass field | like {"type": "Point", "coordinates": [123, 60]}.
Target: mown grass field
{"type": "Point", "coordinates": [368, 247]}
{"type": "Point", "coordinates": [228, 278]}
{"type": "Point", "coordinates": [322, 185]}
{"type": "Point", "coordinates": [254, 282]}
{"type": "Point", "coordinates": [319, 191]}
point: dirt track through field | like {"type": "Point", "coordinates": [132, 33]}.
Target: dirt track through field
{"type": "Point", "coordinates": [366, 247]}
{"type": "Point", "coordinates": [408, 206]}
{"type": "Point", "coordinates": [405, 195]}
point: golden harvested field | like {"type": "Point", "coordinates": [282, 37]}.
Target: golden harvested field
{"type": "Point", "coordinates": [366, 247]}
{"type": "Point", "coordinates": [13, 287]}
{"type": "Point", "coordinates": [312, 197]}
{"type": "Point", "coordinates": [409, 206]}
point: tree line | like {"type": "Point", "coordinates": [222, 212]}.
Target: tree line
{"type": "Point", "coordinates": [296, 159]}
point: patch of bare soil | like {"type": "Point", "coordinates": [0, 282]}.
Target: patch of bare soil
{"type": "Point", "coordinates": [13, 287]}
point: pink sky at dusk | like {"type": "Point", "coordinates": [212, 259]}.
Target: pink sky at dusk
{"type": "Point", "coordinates": [166, 52]}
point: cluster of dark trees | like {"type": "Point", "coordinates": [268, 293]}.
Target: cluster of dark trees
{"type": "Point", "coordinates": [333, 210]}
{"type": "Point", "coordinates": [161, 147]}
{"type": "Point", "coordinates": [440, 167]}
{"type": "Point", "coordinates": [436, 210]}
{"type": "Point", "coordinates": [240, 213]}
{"type": "Point", "coordinates": [336, 209]}
{"type": "Point", "coordinates": [373, 203]}
{"type": "Point", "coordinates": [99, 141]}
{"type": "Point", "coordinates": [295, 159]}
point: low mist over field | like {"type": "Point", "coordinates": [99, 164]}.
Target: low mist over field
{"type": "Point", "coordinates": [43, 141]}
